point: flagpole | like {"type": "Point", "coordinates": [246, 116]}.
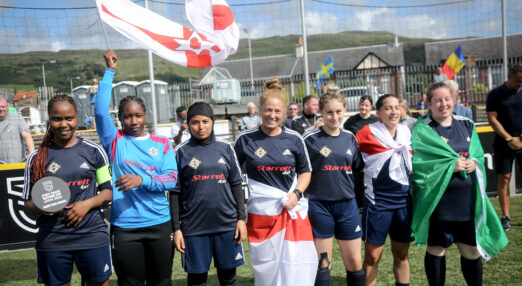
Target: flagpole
{"type": "Point", "coordinates": [152, 87]}
{"type": "Point", "coordinates": [305, 49]}
{"type": "Point", "coordinates": [504, 39]}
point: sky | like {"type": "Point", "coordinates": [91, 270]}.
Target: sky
{"type": "Point", "coordinates": [44, 25]}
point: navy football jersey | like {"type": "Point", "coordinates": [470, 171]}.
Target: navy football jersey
{"type": "Point", "coordinates": [77, 166]}
{"type": "Point", "coordinates": [206, 174]}
{"type": "Point", "coordinates": [273, 160]}
{"type": "Point", "coordinates": [457, 201]}
{"type": "Point", "coordinates": [334, 158]}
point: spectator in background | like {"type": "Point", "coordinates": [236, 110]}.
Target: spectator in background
{"type": "Point", "coordinates": [422, 104]}
{"type": "Point", "coordinates": [293, 111]}
{"type": "Point", "coordinates": [12, 130]}
{"type": "Point", "coordinates": [179, 130]}
{"type": "Point", "coordinates": [310, 119]}
{"type": "Point", "coordinates": [251, 120]}
{"type": "Point", "coordinates": [503, 107]}
{"type": "Point", "coordinates": [358, 121]}
{"type": "Point", "coordinates": [405, 115]}
{"type": "Point", "coordinates": [458, 109]}
{"type": "Point", "coordinates": [439, 76]}
{"type": "Point", "coordinates": [92, 91]}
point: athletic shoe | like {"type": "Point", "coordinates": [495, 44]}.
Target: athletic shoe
{"type": "Point", "coordinates": [506, 223]}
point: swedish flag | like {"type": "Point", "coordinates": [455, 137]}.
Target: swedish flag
{"type": "Point", "coordinates": [325, 71]}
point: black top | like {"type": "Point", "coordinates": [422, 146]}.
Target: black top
{"type": "Point", "coordinates": [206, 174]}
{"type": "Point", "coordinates": [457, 201]}
{"type": "Point", "coordinates": [333, 160]}
{"type": "Point", "coordinates": [508, 105]}
{"type": "Point", "coordinates": [356, 122]}
{"type": "Point", "coordinates": [302, 122]}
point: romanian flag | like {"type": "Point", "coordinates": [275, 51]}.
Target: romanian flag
{"type": "Point", "coordinates": [454, 63]}
{"type": "Point", "coordinates": [325, 71]}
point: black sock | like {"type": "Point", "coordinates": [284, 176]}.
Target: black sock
{"type": "Point", "coordinates": [472, 270]}
{"type": "Point", "coordinates": [199, 279]}
{"type": "Point", "coordinates": [227, 277]}
{"type": "Point", "coordinates": [356, 278]}
{"type": "Point", "coordinates": [435, 267]}
{"type": "Point", "coordinates": [323, 277]}
{"type": "Point", "coordinates": [402, 284]}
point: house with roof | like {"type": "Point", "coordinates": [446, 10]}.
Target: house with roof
{"type": "Point", "coordinates": [25, 98]}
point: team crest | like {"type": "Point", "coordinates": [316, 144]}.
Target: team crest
{"type": "Point", "coordinates": [194, 163]}
{"type": "Point", "coordinates": [153, 151]}
{"type": "Point", "coordinates": [48, 186]}
{"type": "Point", "coordinates": [53, 167]}
{"type": "Point", "coordinates": [325, 151]}
{"type": "Point", "coordinates": [445, 139]}
{"type": "Point", "coordinates": [260, 152]}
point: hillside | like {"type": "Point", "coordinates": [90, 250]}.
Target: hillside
{"type": "Point", "coordinates": [25, 69]}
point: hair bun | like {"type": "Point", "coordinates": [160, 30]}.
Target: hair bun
{"type": "Point", "coordinates": [273, 84]}
{"type": "Point", "coordinates": [332, 89]}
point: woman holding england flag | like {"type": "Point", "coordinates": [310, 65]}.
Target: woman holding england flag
{"type": "Point", "coordinates": [279, 232]}
{"type": "Point", "coordinates": [333, 209]}
{"type": "Point", "coordinates": [385, 146]}
{"type": "Point", "coordinates": [449, 199]}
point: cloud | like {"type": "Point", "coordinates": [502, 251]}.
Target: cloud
{"type": "Point", "coordinates": [57, 46]}
{"type": "Point", "coordinates": [317, 23]}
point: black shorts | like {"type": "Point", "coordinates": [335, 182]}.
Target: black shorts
{"type": "Point", "coordinates": [445, 233]}
{"type": "Point", "coordinates": [503, 157]}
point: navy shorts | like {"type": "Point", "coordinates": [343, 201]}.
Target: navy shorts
{"type": "Point", "coordinates": [444, 233]}
{"type": "Point", "coordinates": [200, 249]}
{"type": "Point", "coordinates": [339, 218]}
{"type": "Point", "coordinates": [503, 157]}
{"type": "Point", "coordinates": [377, 224]}
{"type": "Point", "coordinates": [56, 267]}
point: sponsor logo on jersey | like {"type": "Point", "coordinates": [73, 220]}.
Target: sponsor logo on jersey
{"type": "Point", "coordinates": [239, 256]}
{"type": "Point", "coordinates": [287, 153]}
{"type": "Point", "coordinates": [275, 169]}
{"type": "Point", "coordinates": [194, 163]}
{"type": "Point", "coordinates": [149, 168]}
{"type": "Point", "coordinates": [325, 151]}
{"type": "Point", "coordinates": [84, 182]}
{"type": "Point", "coordinates": [358, 228]}
{"type": "Point", "coordinates": [53, 167]}
{"type": "Point", "coordinates": [84, 187]}
{"type": "Point", "coordinates": [336, 168]}
{"type": "Point", "coordinates": [349, 152]}
{"type": "Point", "coordinates": [260, 152]}
{"type": "Point", "coordinates": [153, 151]}
{"type": "Point", "coordinates": [222, 181]}
{"type": "Point", "coordinates": [208, 177]}
{"type": "Point", "coordinates": [84, 166]}
{"type": "Point", "coordinates": [222, 161]}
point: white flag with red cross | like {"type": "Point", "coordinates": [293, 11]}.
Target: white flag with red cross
{"type": "Point", "coordinates": [216, 36]}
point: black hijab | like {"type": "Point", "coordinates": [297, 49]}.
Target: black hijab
{"type": "Point", "coordinates": [201, 108]}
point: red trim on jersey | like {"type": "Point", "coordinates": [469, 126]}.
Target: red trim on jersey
{"type": "Point", "coordinates": [119, 134]}
{"type": "Point", "coordinates": [162, 141]}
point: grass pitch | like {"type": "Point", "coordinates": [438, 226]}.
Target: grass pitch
{"type": "Point", "coordinates": [19, 267]}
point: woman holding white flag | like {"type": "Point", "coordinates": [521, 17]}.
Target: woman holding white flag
{"type": "Point", "coordinates": [449, 200]}
{"type": "Point", "coordinates": [333, 209]}
{"type": "Point", "coordinates": [385, 146]}
{"type": "Point", "coordinates": [279, 232]}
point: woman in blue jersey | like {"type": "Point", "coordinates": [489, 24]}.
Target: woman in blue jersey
{"type": "Point", "coordinates": [385, 146]}
{"type": "Point", "coordinates": [208, 201]}
{"type": "Point", "coordinates": [78, 234]}
{"type": "Point", "coordinates": [143, 169]}
{"type": "Point", "coordinates": [278, 171]}
{"type": "Point", "coordinates": [450, 209]}
{"type": "Point", "coordinates": [332, 207]}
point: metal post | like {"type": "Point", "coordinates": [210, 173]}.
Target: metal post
{"type": "Point", "coordinates": [153, 89]}
{"type": "Point", "coordinates": [44, 85]}
{"type": "Point", "coordinates": [251, 68]}
{"type": "Point", "coordinates": [504, 39]}
{"type": "Point", "coordinates": [305, 48]}
{"type": "Point", "coordinates": [71, 87]}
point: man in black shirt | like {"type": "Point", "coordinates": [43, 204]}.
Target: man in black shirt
{"type": "Point", "coordinates": [310, 119]}
{"type": "Point", "coordinates": [503, 108]}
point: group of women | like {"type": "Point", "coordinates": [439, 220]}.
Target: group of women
{"type": "Point", "coordinates": [204, 216]}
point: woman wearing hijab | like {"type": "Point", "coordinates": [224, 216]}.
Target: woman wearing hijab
{"type": "Point", "coordinates": [208, 203]}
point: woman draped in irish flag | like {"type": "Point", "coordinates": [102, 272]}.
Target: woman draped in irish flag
{"type": "Point", "coordinates": [385, 146]}
{"type": "Point", "coordinates": [449, 199]}
{"type": "Point", "coordinates": [279, 233]}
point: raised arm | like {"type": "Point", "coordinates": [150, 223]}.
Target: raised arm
{"type": "Point", "coordinates": [104, 125]}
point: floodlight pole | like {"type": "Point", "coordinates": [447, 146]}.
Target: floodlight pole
{"type": "Point", "coordinates": [305, 49]}
{"type": "Point", "coordinates": [152, 88]}
{"type": "Point", "coordinates": [504, 39]}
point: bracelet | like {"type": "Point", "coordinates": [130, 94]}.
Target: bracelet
{"type": "Point", "coordinates": [298, 193]}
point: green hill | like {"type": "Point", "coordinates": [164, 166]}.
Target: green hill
{"type": "Point", "coordinates": [25, 69]}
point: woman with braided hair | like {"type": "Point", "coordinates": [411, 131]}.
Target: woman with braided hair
{"type": "Point", "coordinates": [143, 169]}
{"type": "Point", "coordinates": [77, 234]}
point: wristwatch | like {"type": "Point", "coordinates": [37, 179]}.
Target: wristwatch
{"type": "Point", "coordinates": [298, 193]}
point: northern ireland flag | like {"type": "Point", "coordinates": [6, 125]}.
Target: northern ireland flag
{"type": "Point", "coordinates": [377, 146]}
{"type": "Point", "coordinates": [216, 38]}
{"type": "Point", "coordinates": [281, 243]}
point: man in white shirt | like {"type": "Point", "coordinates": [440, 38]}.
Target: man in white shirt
{"type": "Point", "coordinates": [179, 130]}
